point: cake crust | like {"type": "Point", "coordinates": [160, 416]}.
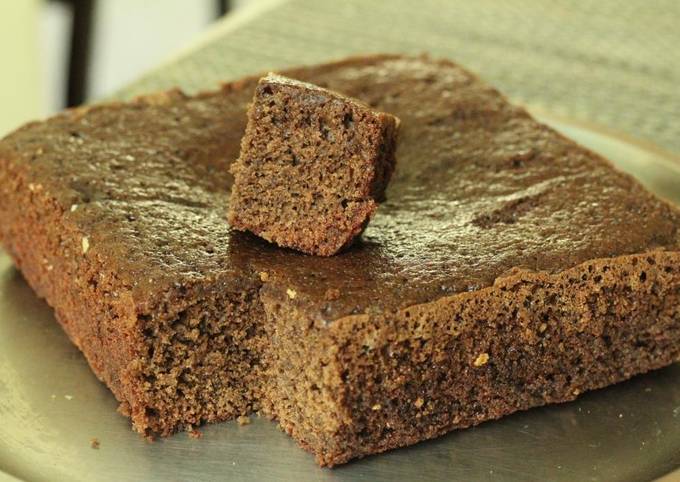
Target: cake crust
{"type": "Point", "coordinates": [509, 268]}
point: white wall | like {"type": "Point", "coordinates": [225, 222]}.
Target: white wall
{"type": "Point", "coordinates": [20, 95]}
{"type": "Point", "coordinates": [129, 37]}
{"type": "Point", "coordinates": [132, 36]}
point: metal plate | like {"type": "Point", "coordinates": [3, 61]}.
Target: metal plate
{"type": "Point", "coordinates": [51, 406]}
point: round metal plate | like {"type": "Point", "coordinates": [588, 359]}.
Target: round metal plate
{"type": "Point", "coordinates": [52, 406]}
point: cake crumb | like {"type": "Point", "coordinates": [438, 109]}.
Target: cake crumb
{"type": "Point", "coordinates": [291, 293]}
{"type": "Point", "coordinates": [243, 420]}
{"type": "Point", "coordinates": [576, 391]}
{"type": "Point", "coordinates": [482, 359]}
{"type": "Point", "coordinates": [264, 276]}
{"type": "Point", "coordinates": [376, 407]}
{"type": "Point", "coordinates": [542, 328]}
{"type": "Point", "coordinates": [86, 244]}
{"type": "Point", "coordinates": [74, 207]}
{"type": "Point", "coordinates": [94, 443]}
{"type": "Point", "coordinates": [332, 294]}
{"type": "Point", "coordinates": [68, 397]}
{"type": "Point", "coordinates": [34, 187]}
{"type": "Point", "coordinates": [195, 434]}
{"type": "Point", "coordinates": [419, 402]}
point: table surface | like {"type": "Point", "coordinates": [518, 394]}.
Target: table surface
{"type": "Point", "coordinates": [613, 63]}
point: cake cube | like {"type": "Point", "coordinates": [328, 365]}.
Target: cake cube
{"type": "Point", "coordinates": [313, 167]}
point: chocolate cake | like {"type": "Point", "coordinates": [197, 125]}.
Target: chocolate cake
{"type": "Point", "coordinates": [313, 166]}
{"type": "Point", "coordinates": [509, 268]}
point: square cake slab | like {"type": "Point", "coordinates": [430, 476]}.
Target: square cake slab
{"type": "Point", "coordinates": [510, 267]}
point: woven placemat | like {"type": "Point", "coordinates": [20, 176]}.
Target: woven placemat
{"type": "Point", "coordinates": [612, 62]}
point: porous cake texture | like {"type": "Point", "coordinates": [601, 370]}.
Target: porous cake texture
{"type": "Point", "coordinates": [509, 267]}
{"type": "Point", "coordinates": [313, 166]}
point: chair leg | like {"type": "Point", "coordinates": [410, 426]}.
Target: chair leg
{"type": "Point", "coordinates": [79, 59]}
{"type": "Point", "coordinates": [223, 7]}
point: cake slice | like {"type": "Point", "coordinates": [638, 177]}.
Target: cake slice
{"type": "Point", "coordinates": [313, 166]}
{"type": "Point", "coordinates": [509, 268]}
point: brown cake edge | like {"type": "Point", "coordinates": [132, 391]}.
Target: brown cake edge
{"type": "Point", "coordinates": [52, 256]}
{"type": "Point", "coordinates": [367, 384]}
{"type": "Point", "coordinates": [124, 340]}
